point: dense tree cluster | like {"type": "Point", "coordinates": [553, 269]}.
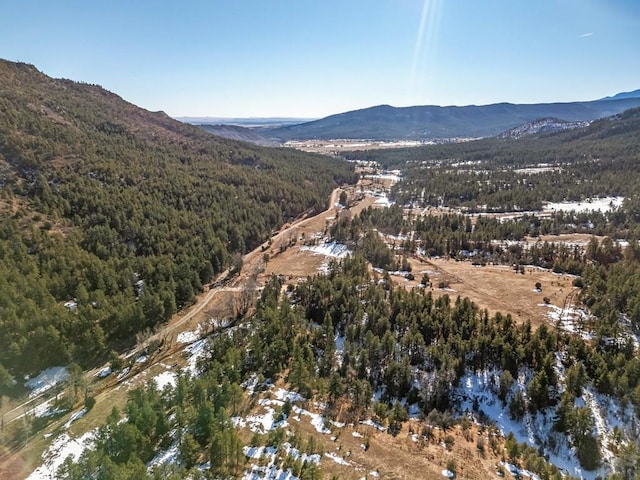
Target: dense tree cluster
{"type": "Point", "coordinates": [123, 214]}
{"type": "Point", "coordinates": [406, 345]}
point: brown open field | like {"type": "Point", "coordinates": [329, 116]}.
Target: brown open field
{"type": "Point", "coordinates": [331, 147]}
{"type": "Point", "coordinates": [496, 287]}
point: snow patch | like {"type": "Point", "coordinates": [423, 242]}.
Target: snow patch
{"type": "Point", "coordinates": [187, 337]}
{"type": "Point", "coordinates": [195, 351]}
{"type": "Point", "coordinates": [105, 372]}
{"type": "Point", "coordinates": [336, 458]}
{"type": "Point", "coordinates": [61, 448]}
{"type": "Point", "coordinates": [570, 319]}
{"type": "Point", "coordinates": [373, 424]}
{"type": "Point", "coordinates": [600, 204]}
{"type": "Point", "coordinates": [288, 396]}
{"type": "Point", "coordinates": [169, 456]}
{"type": "Point", "coordinates": [330, 249]}
{"type": "Point", "coordinates": [165, 378]}
{"type": "Point", "coordinates": [75, 416]}
{"type": "Point", "coordinates": [46, 380]}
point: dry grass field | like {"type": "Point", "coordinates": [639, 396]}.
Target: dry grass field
{"type": "Point", "coordinates": [496, 287]}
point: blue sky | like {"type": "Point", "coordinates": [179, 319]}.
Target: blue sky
{"type": "Point", "coordinates": [308, 58]}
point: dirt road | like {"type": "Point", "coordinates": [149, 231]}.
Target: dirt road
{"type": "Point", "coordinates": [167, 331]}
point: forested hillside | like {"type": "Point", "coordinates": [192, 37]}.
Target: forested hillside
{"type": "Point", "coordinates": [498, 175]}
{"type": "Point", "coordinates": [427, 122]}
{"type": "Point", "coordinates": [113, 217]}
{"type": "Point", "coordinates": [365, 349]}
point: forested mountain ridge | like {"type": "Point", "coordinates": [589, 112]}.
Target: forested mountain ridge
{"type": "Point", "coordinates": [122, 214]}
{"type": "Point", "coordinates": [385, 122]}
{"type": "Point", "coordinates": [595, 161]}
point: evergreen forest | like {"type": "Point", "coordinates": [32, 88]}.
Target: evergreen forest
{"type": "Point", "coordinates": [113, 217]}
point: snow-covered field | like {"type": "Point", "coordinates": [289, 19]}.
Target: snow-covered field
{"type": "Point", "coordinates": [600, 204]}
{"type": "Point", "coordinates": [330, 249]}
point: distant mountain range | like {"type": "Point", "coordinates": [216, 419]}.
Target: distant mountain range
{"type": "Point", "coordinates": [429, 122]}
{"type": "Point", "coordinates": [624, 95]}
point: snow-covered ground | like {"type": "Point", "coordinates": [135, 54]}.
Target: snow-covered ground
{"type": "Point", "coordinates": [383, 202]}
{"type": "Point", "coordinates": [187, 337]}
{"type": "Point", "coordinates": [272, 469]}
{"type": "Point", "coordinates": [538, 430]}
{"type": "Point", "coordinates": [168, 456]}
{"type": "Point", "coordinates": [600, 204]}
{"type": "Point", "coordinates": [46, 380]}
{"type": "Point", "coordinates": [336, 458]}
{"type": "Point", "coordinates": [105, 372]}
{"type": "Point", "coordinates": [265, 422]}
{"type": "Point", "coordinates": [391, 176]}
{"type": "Point", "coordinates": [330, 249]}
{"type": "Point", "coordinates": [42, 410]}
{"type": "Point", "coordinates": [266, 465]}
{"type": "Point", "coordinates": [62, 447]}
{"type": "Point", "coordinates": [165, 378]}
{"type": "Point", "coordinates": [195, 351]}
{"type": "Point", "coordinates": [570, 319]}
{"type": "Point", "coordinates": [75, 416]}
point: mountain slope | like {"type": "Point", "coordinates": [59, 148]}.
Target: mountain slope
{"type": "Point", "coordinates": [624, 95]}
{"type": "Point", "coordinates": [428, 122]}
{"type": "Point", "coordinates": [122, 214]}
{"type": "Point", "coordinates": [542, 125]}
{"type": "Point", "coordinates": [236, 132]}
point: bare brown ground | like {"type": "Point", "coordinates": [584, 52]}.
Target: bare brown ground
{"type": "Point", "coordinates": [295, 264]}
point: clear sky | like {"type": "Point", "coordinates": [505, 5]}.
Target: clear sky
{"type": "Point", "coordinates": [311, 58]}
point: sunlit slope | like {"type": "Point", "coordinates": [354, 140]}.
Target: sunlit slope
{"type": "Point", "coordinates": [122, 214]}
